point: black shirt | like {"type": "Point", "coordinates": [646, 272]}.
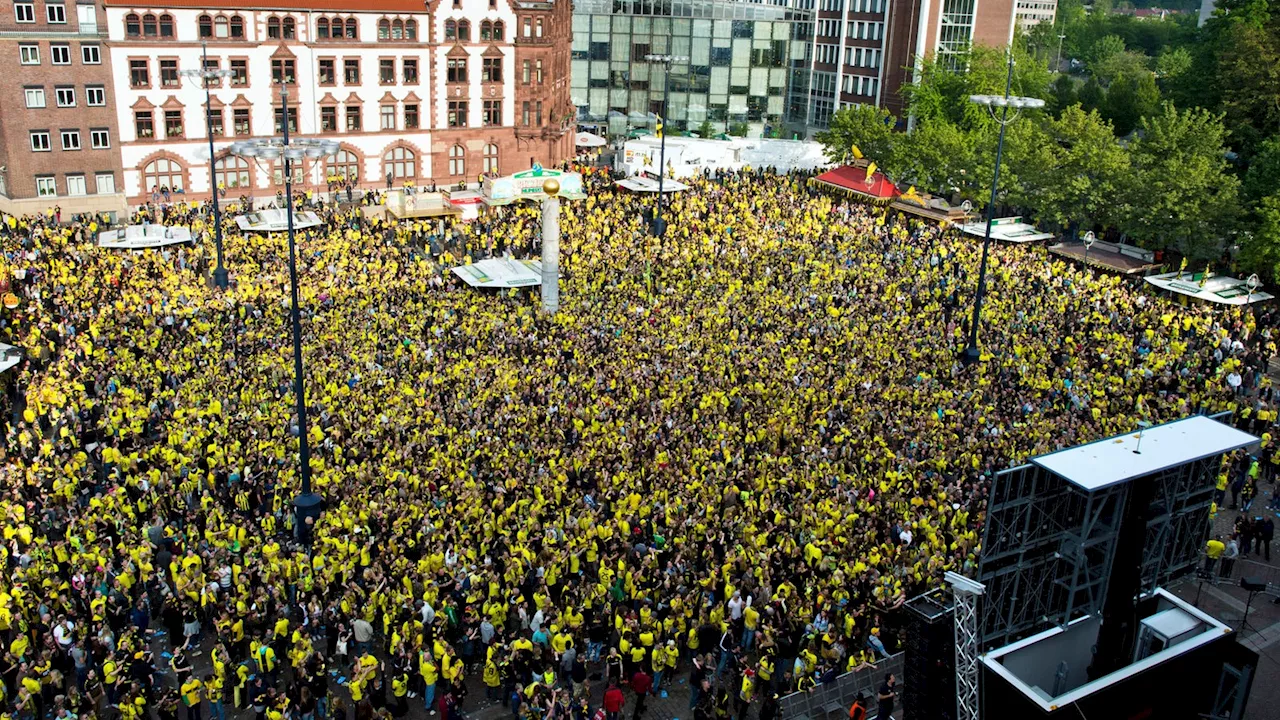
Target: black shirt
{"type": "Point", "coordinates": [886, 706]}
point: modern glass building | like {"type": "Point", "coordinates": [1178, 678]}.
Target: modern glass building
{"type": "Point", "coordinates": [741, 66]}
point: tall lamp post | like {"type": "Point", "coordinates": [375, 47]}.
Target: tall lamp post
{"type": "Point", "coordinates": [991, 102]}
{"type": "Point", "coordinates": [205, 75]}
{"type": "Point", "coordinates": [1057, 64]}
{"type": "Point", "coordinates": [660, 225]}
{"type": "Point", "coordinates": [308, 504]}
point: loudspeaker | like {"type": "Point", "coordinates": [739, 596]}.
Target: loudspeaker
{"type": "Point", "coordinates": [929, 668]}
{"type": "Point", "coordinates": [1253, 584]}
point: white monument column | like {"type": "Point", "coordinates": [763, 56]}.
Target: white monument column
{"type": "Point", "coordinates": [551, 247]}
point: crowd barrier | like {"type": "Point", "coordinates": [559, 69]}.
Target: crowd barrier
{"type": "Point", "coordinates": [1253, 570]}
{"type": "Point", "coordinates": [831, 701]}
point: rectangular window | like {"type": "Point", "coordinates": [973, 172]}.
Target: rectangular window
{"type": "Point", "coordinates": [216, 126]}
{"type": "Point", "coordinates": [239, 72]}
{"type": "Point", "coordinates": [91, 54]}
{"type": "Point", "coordinates": [353, 117]}
{"type": "Point", "coordinates": [537, 71]}
{"type": "Point", "coordinates": [492, 71]}
{"type": "Point", "coordinates": [87, 18]}
{"type": "Point", "coordinates": [173, 123]}
{"type": "Point", "coordinates": [66, 96]}
{"type": "Point", "coordinates": [524, 113]}
{"type": "Point", "coordinates": [457, 70]}
{"type": "Point", "coordinates": [24, 12]}
{"type": "Point", "coordinates": [526, 72]}
{"type": "Point", "coordinates": [169, 73]}
{"type": "Point", "coordinates": [538, 113]}
{"type": "Point", "coordinates": [56, 13]}
{"type": "Point", "coordinates": [60, 54]}
{"type": "Point", "coordinates": [40, 141]}
{"type": "Point", "coordinates": [457, 113]}
{"type": "Point", "coordinates": [29, 54]}
{"type": "Point", "coordinates": [387, 71]}
{"type": "Point", "coordinates": [410, 71]}
{"type": "Point", "coordinates": [75, 185]}
{"type": "Point", "coordinates": [411, 117]}
{"type": "Point", "coordinates": [283, 71]}
{"type": "Point", "coordinates": [106, 183]}
{"type": "Point", "coordinates": [139, 73]}
{"type": "Point", "coordinates": [326, 73]}
{"type": "Point", "coordinates": [328, 119]}
{"type": "Point", "coordinates": [95, 96]}
{"type": "Point", "coordinates": [46, 187]}
{"type": "Point", "coordinates": [144, 124]}
{"type": "Point", "coordinates": [213, 64]}
{"type": "Point", "coordinates": [293, 119]}
{"type": "Point", "coordinates": [35, 97]}
{"type": "Point", "coordinates": [240, 121]}
{"type": "Point", "coordinates": [70, 139]}
{"type": "Point", "coordinates": [351, 71]}
{"type": "Point", "coordinates": [492, 112]}
{"type": "Point", "coordinates": [387, 117]}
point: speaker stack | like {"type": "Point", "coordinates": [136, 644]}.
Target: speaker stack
{"type": "Point", "coordinates": [929, 674]}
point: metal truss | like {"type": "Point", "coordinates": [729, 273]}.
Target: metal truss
{"type": "Point", "coordinates": [965, 594]}
{"type": "Point", "coordinates": [1178, 521]}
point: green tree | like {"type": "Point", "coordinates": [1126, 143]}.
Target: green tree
{"type": "Point", "coordinates": [1077, 184]}
{"type": "Point", "coordinates": [1247, 77]}
{"type": "Point", "coordinates": [939, 157]}
{"type": "Point", "coordinates": [868, 127]}
{"type": "Point", "coordinates": [1120, 64]}
{"type": "Point", "coordinates": [705, 130]}
{"type": "Point", "coordinates": [1103, 50]}
{"type": "Point", "coordinates": [1172, 62]}
{"type": "Point", "coordinates": [1062, 95]}
{"type": "Point", "coordinates": [1263, 177]}
{"type": "Point", "coordinates": [1131, 98]}
{"type": "Point", "coordinates": [942, 92]}
{"type": "Point", "coordinates": [1091, 95]}
{"type": "Point", "coordinates": [1179, 194]}
{"type": "Point", "coordinates": [1262, 247]}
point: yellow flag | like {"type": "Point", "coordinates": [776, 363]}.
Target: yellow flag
{"type": "Point", "coordinates": [658, 127]}
{"type": "Point", "coordinates": [871, 171]}
{"type": "Point", "coordinates": [857, 154]}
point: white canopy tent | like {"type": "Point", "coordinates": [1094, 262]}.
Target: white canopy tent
{"type": "Point", "coordinates": [1217, 289]}
{"type": "Point", "coordinates": [276, 220]}
{"type": "Point", "coordinates": [589, 140]}
{"type": "Point", "coordinates": [504, 272]}
{"type": "Point", "coordinates": [141, 237]}
{"type": "Point", "coordinates": [10, 356]}
{"type": "Point", "coordinates": [1010, 229]}
{"type": "Point", "coordinates": [641, 183]}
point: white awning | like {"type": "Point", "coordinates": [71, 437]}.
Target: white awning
{"type": "Point", "coordinates": [589, 140]}
{"type": "Point", "coordinates": [276, 220]}
{"type": "Point", "coordinates": [502, 272]}
{"type": "Point", "coordinates": [1219, 289]}
{"type": "Point", "coordinates": [1010, 229]}
{"type": "Point", "coordinates": [644, 184]}
{"type": "Point", "coordinates": [141, 237]}
{"type": "Point", "coordinates": [10, 356]}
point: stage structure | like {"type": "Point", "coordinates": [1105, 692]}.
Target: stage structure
{"type": "Point", "coordinates": [1077, 546]}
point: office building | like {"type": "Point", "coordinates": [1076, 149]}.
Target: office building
{"type": "Point", "coordinates": [58, 138]}
{"type": "Point", "coordinates": [740, 66]}
{"type": "Point", "coordinates": [1033, 12]}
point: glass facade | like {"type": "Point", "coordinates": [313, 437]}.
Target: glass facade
{"type": "Point", "coordinates": [735, 64]}
{"type": "Point", "coordinates": [956, 32]}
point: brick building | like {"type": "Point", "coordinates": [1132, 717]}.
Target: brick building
{"type": "Point", "coordinates": [438, 91]}
{"type": "Point", "coordinates": [58, 134]}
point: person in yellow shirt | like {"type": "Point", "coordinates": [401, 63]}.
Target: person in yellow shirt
{"type": "Point", "coordinates": [191, 697]}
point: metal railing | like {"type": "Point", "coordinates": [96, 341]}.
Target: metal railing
{"type": "Point", "coordinates": [832, 700]}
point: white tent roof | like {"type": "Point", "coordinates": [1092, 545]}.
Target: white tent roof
{"type": "Point", "coordinates": [276, 220]}
{"type": "Point", "coordinates": [1010, 229]}
{"type": "Point", "coordinates": [501, 272]}
{"type": "Point", "coordinates": [140, 237]}
{"type": "Point", "coordinates": [1219, 289]}
{"type": "Point", "coordinates": [641, 183]}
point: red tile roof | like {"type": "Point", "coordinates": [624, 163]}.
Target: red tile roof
{"type": "Point", "coordinates": [854, 178]}
{"type": "Point", "coordinates": [395, 6]}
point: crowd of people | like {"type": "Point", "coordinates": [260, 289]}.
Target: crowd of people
{"type": "Point", "coordinates": [730, 454]}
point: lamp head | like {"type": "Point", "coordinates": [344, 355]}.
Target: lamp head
{"type": "Point", "coordinates": [551, 187]}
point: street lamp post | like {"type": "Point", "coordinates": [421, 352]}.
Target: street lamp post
{"type": "Point", "coordinates": [308, 504]}
{"type": "Point", "coordinates": [1057, 64]}
{"type": "Point", "coordinates": [1089, 240]}
{"type": "Point", "coordinates": [204, 74]}
{"type": "Point", "coordinates": [1006, 101]}
{"type": "Point", "coordinates": [660, 225]}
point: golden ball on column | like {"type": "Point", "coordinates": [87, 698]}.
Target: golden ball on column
{"type": "Point", "coordinates": [551, 187]}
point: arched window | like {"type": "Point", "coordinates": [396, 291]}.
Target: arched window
{"type": "Point", "coordinates": [290, 28]}
{"type": "Point", "coordinates": [230, 172]}
{"type": "Point", "coordinates": [498, 30]}
{"type": "Point", "coordinates": [220, 27]}
{"type": "Point", "coordinates": [322, 28]}
{"type": "Point", "coordinates": [486, 30]}
{"type": "Point", "coordinates": [464, 31]}
{"type": "Point", "coordinates": [401, 163]}
{"type": "Point", "coordinates": [457, 160]}
{"type": "Point", "coordinates": [344, 164]}
{"type": "Point", "coordinates": [150, 27]}
{"type": "Point", "coordinates": [164, 173]}
{"type": "Point", "coordinates": [411, 30]}
{"type": "Point", "coordinates": [206, 26]}
{"type": "Point", "coordinates": [397, 30]}
{"type": "Point", "coordinates": [450, 30]}
{"type": "Point", "coordinates": [273, 28]}
{"type": "Point", "coordinates": [351, 28]}
{"type": "Point", "coordinates": [384, 29]}
{"type": "Point", "coordinates": [237, 26]}
{"type": "Point", "coordinates": [537, 31]}
{"type": "Point", "coordinates": [297, 168]}
{"type": "Point", "coordinates": [166, 26]}
{"type": "Point", "coordinates": [491, 158]}
{"type": "Point", "coordinates": [132, 25]}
